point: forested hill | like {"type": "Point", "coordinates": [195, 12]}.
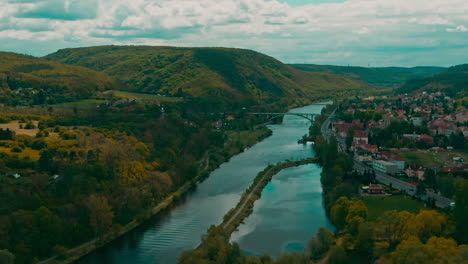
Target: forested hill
{"type": "Point", "coordinates": [22, 71]}
{"type": "Point", "coordinates": [453, 81]}
{"type": "Point", "coordinates": [386, 77]}
{"type": "Point", "coordinates": [226, 75]}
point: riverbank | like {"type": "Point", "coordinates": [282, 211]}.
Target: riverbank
{"type": "Point", "coordinates": [236, 143]}
{"type": "Point", "coordinates": [244, 208]}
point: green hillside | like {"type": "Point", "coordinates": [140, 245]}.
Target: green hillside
{"type": "Point", "coordinates": [62, 81]}
{"type": "Point", "coordinates": [385, 77]}
{"type": "Point", "coordinates": [226, 75]}
{"type": "Point", "coordinates": [453, 81]}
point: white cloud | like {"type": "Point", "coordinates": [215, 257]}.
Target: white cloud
{"type": "Point", "coordinates": [352, 31]}
{"type": "Point", "coordinates": [460, 28]}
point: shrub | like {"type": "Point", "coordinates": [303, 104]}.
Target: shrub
{"type": "Point", "coordinates": [16, 150]}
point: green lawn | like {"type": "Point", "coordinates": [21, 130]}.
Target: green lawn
{"type": "Point", "coordinates": [378, 205]}
{"type": "Point", "coordinates": [143, 97]}
{"type": "Point", "coordinates": [424, 158]}
{"type": "Point", "coordinates": [83, 103]}
{"type": "Point", "coordinates": [431, 158]}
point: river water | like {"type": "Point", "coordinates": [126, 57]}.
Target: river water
{"type": "Point", "coordinates": [288, 214]}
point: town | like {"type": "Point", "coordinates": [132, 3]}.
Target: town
{"type": "Point", "coordinates": [415, 143]}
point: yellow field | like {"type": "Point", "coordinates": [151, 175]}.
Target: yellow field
{"type": "Point", "coordinates": [31, 153]}
{"type": "Point", "coordinates": [15, 126]}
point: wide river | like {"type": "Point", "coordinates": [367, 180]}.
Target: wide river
{"type": "Point", "coordinates": [284, 219]}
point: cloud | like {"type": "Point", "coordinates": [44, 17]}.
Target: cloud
{"type": "Point", "coordinates": [61, 10]}
{"type": "Point", "coordinates": [382, 32]}
{"type": "Point", "coordinates": [460, 28]}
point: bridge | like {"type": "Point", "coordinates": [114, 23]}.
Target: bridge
{"type": "Point", "coordinates": [308, 116]}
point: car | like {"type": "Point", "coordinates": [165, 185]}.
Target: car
{"type": "Point", "coordinates": [452, 204]}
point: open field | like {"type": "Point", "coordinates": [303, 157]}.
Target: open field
{"type": "Point", "coordinates": [378, 205]}
{"type": "Point", "coordinates": [83, 103]}
{"type": "Point", "coordinates": [142, 97]}
{"type": "Point", "coordinates": [15, 126]}
{"type": "Point", "coordinates": [31, 153]}
{"type": "Point", "coordinates": [431, 158]}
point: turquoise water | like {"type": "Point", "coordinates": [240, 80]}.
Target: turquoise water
{"type": "Point", "coordinates": [163, 238]}
{"type": "Point", "coordinates": [288, 214]}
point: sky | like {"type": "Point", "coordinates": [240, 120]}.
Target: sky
{"type": "Point", "coordinates": [338, 32]}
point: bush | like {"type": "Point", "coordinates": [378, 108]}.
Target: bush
{"type": "Point", "coordinates": [29, 125]}
{"type": "Point", "coordinates": [39, 144]}
{"type": "Point", "coordinates": [16, 150]}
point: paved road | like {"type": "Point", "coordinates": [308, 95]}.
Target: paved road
{"type": "Point", "coordinates": [440, 201]}
{"type": "Point", "coordinates": [325, 128]}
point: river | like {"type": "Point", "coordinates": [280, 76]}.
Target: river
{"type": "Point", "coordinates": [296, 190]}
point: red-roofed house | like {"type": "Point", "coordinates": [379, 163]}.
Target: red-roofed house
{"type": "Point", "coordinates": [427, 138]}
{"type": "Point", "coordinates": [360, 135]}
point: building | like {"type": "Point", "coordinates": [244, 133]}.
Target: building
{"type": "Point", "coordinates": [384, 166]}
{"type": "Point", "coordinates": [416, 171]}
{"type": "Point", "coordinates": [361, 136]}
{"type": "Point", "coordinates": [376, 189]}
{"type": "Point", "coordinates": [395, 159]}
{"type": "Point", "coordinates": [417, 120]}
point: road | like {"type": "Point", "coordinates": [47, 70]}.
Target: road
{"type": "Point", "coordinates": [326, 125]}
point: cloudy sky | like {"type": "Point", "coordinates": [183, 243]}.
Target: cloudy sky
{"type": "Point", "coordinates": [342, 32]}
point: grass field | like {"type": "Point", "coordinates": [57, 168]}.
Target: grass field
{"type": "Point", "coordinates": [431, 158]}
{"type": "Point", "coordinates": [142, 97]}
{"type": "Point", "coordinates": [15, 126]}
{"type": "Point", "coordinates": [378, 205]}
{"type": "Point", "coordinates": [31, 153]}
{"type": "Point", "coordinates": [83, 103]}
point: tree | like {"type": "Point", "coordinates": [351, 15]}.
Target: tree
{"type": "Point", "coordinates": [320, 244]}
{"type": "Point", "coordinates": [391, 226]}
{"type": "Point", "coordinates": [425, 224]}
{"type": "Point", "coordinates": [365, 238]}
{"type": "Point", "coordinates": [339, 211]}
{"type": "Point", "coordinates": [410, 251]}
{"type": "Point", "coordinates": [100, 213]}
{"type": "Point", "coordinates": [421, 189]}
{"type": "Point", "coordinates": [6, 257]}
{"type": "Point", "coordinates": [430, 178]}
{"type": "Point", "coordinates": [460, 214]}
{"type": "Point", "coordinates": [337, 255]}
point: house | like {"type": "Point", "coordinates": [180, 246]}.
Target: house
{"type": "Point", "coordinates": [371, 148]}
{"type": "Point", "coordinates": [360, 136]}
{"type": "Point", "coordinates": [14, 175]}
{"type": "Point", "coordinates": [218, 124]}
{"type": "Point", "coordinates": [376, 189]}
{"type": "Point", "coordinates": [230, 117]}
{"type": "Point", "coordinates": [417, 120]}
{"type": "Point", "coordinates": [384, 166]}
{"type": "Point", "coordinates": [461, 117]}
{"type": "Point", "coordinates": [416, 171]}
{"type": "Point", "coordinates": [427, 138]}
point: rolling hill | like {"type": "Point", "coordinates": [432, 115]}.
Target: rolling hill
{"type": "Point", "coordinates": [453, 81]}
{"type": "Point", "coordinates": [232, 76]}
{"type": "Point", "coordinates": [385, 77]}
{"type": "Point", "coordinates": [22, 71]}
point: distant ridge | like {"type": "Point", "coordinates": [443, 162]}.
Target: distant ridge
{"type": "Point", "coordinates": [453, 81]}
{"type": "Point", "coordinates": [231, 76]}
{"type": "Point", "coordinates": [61, 80]}
{"type": "Point", "coordinates": [381, 76]}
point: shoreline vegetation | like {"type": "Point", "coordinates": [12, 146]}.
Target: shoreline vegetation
{"type": "Point", "coordinates": [208, 165]}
